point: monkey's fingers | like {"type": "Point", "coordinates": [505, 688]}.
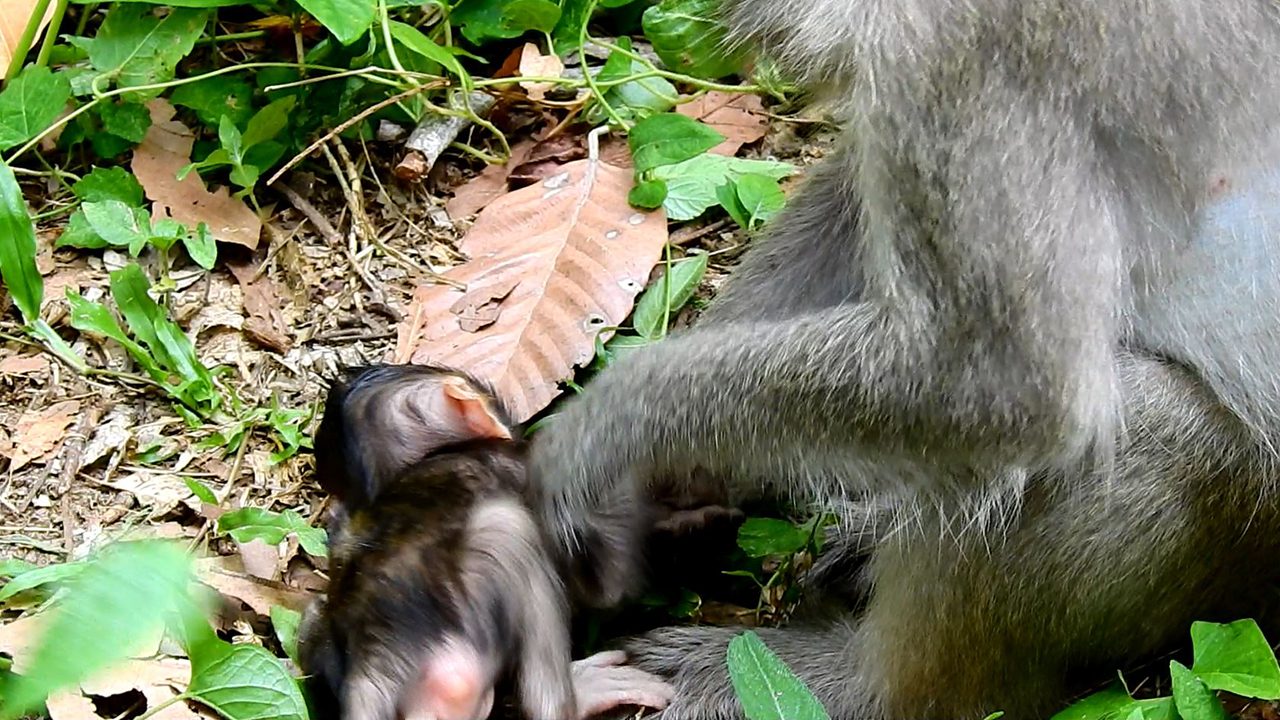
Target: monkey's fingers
{"type": "Point", "coordinates": [608, 658]}
{"type": "Point", "coordinates": [602, 687]}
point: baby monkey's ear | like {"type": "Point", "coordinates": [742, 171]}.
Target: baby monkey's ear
{"type": "Point", "coordinates": [474, 411]}
{"type": "Point", "coordinates": [387, 417]}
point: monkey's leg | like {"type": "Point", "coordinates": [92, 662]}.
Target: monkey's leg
{"type": "Point", "coordinates": [965, 620]}
{"type": "Point", "coordinates": [815, 263]}
{"type": "Point", "coordinates": [694, 660]}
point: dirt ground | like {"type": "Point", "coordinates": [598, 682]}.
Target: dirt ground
{"type": "Point", "coordinates": [89, 459]}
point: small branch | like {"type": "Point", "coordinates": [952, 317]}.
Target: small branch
{"type": "Point", "coordinates": [331, 236]}
{"type": "Point", "coordinates": [340, 128]}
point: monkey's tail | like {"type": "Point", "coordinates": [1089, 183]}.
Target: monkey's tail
{"type": "Point", "coordinates": [814, 39]}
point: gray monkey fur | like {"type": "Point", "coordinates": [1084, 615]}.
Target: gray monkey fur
{"type": "Point", "coordinates": [1006, 314]}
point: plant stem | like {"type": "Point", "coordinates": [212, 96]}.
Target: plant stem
{"type": "Point", "coordinates": [51, 34]}
{"type": "Point", "coordinates": [674, 76]}
{"type": "Point", "coordinates": [83, 21]}
{"type": "Point", "coordinates": [232, 37]}
{"type": "Point", "coordinates": [175, 699]}
{"type": "Point", "coordinates": [586, 69]}
{"type": "Point", "coordinates": [155, 86]}
{"type": "Point", "coordinates": [25, 40]}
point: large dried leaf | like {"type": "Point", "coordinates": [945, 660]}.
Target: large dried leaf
{"type": "Point", "coordinates": [475, 194]}
{"type": "Point", "coordinates": [13, 21]}
{"type": "Point", "coordinates": [159, 680]}
{"type": "Point", "coordinates": [164, 151]}
{"type": "Point", "coordinates": [738, 116]}
{"type": "Point", "coordinates": [40, 432]}
{"type": "Point", "coordinates": [226, 574]}
{"type": "Point", "coordinates": [552, 264]}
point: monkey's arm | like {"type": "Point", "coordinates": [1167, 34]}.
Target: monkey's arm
{"type": "Point", "coordinates": [795, 402]}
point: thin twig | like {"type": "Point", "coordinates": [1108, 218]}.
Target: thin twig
{"type": "Point", "coordinates": [348, 123]}
{"type": "Point", "coordinates": [331, 236]}
{"type": "Point", "coordinates": [72, 451]}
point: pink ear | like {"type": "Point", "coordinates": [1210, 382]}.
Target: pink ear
{"type": "Point", "coordinates": [453, 685]}
{"type": "Point", "coordinates": [473, 411]}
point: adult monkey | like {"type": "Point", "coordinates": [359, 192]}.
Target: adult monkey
{"type": "Point", "coordinates": [1001, 311]}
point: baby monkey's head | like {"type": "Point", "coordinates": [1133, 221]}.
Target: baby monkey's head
{"type": "Point", "coordinates": [439, 578]}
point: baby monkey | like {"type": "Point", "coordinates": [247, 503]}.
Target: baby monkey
{"type": "Point", "coordinates": [441, 585]}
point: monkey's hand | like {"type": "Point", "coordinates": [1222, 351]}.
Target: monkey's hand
{"type": "Point", "coordinates": [694, 661]}
{"type": "Point", "coordinates": [602, 682]}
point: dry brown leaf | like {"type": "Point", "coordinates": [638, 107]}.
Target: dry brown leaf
{"type": "Point", "coordinates": [227, 576]}
{"type": "Point", "coordinates": [472, 196]}
{"type": "Point", "coordinates": [534, 64]}
{"type": "Point", "coordinates": [164, 151]}
{"type": "Point", "coordinates": [265, 324]}
{"type": "Point", "coordinates": [24, 364]}
{"type": "Point", "coordinates": [578, 255]}
{"type": "Point", "coordinates": [260, 559]}
{"type": "Point", "coordinates": [738, 116]}
{"type": "Point", "coordinates": [39, 432]}
{"type": "Point", "coordinates": [161, 492]}
{"type": "Point", "coordinates": [13, 20]}
{"type": "Point", "coordinates": [19, 636]}
{"type": "Point", "coordinates": [158, 680]}
{"type": "Point", "coordinates": [546, 159]}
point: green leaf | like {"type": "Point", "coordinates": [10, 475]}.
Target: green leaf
{"type": "Point", "coordinates": [285, 622]}
{"type": "Point", "coordinates": [523, 15]}
{"type": "Point", "coordinates": [727, 194]}
{"type": "Point", "coordinates": [267, 123]}
{"type": "Point", "coordinates": [171, 347]}
{"type": "Point", "coordinates": [1235, 657]}
{"type": "Point", "coordinates": [648, 194]}
{"type": "Point", "coordinates": [108, 146]}
{"type": "Point", "coordinates": [346, 19]}
{"type": "Point", "coordinates": [201, 491]}
{"type": "Point", "coordinates": [230, 139]}
{"type": "Point", "coordinates": [138, 48]}
{"type": "Point", "coordinates": [215, 97]}
{"type": "Point", "coordinates": [1114, 702]}
{"type": "Point", "coordinates": [40, 576]}
{"type": "Point", "coordinates": [766, 687]}
{"type": "Point", "coordinates": [667, 139]}
{"type": "Point", "coordinates": [414, 40]}
{"type": "Point", "coordinates": [1193, 698]}
{"type": "Point", "coordinates": [88, 316]}
{"type": "Point", "coordinates": [637, 98]}
{"type": "Point", "coordinates": [689, 40]}
{"type": "Point", "coordinates": [201, 246]}
{"type": "Point", "coordinates": [761, 198]}
{"type": "Point", "coordinates": [127, 120]}
{"type": "Point", "coordinates": [243, 682]}
{"type": "Point", "coordinates": [30, 103]}
{"type": "Point", "coordinates": [10, 567]}
{"type": "Point", "coordinates": [692, 184]}
{"type": "Point", "coordinates": [253, 523]}
{"type": "Point", "coordinates": [117, 223]}
{"type": "Point", "coordinates": [482, 20]}
{"type": "Point", "coordinates": [107, 609]}
{"type": "Point", "coordinates": [78, 233]}
{"type": "Point", "coordinates": [109, 184]}
{"type": "Point", "coordinates": [18, 248]}
{"type": "Point", "coordinates": [760, 537]}
{"type": "Point", "coordinates": [683, 280]}
{"type": "Point", "coordinates": [573, 13]}
{"type": "Point", "coordinates": [1155, 709]}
